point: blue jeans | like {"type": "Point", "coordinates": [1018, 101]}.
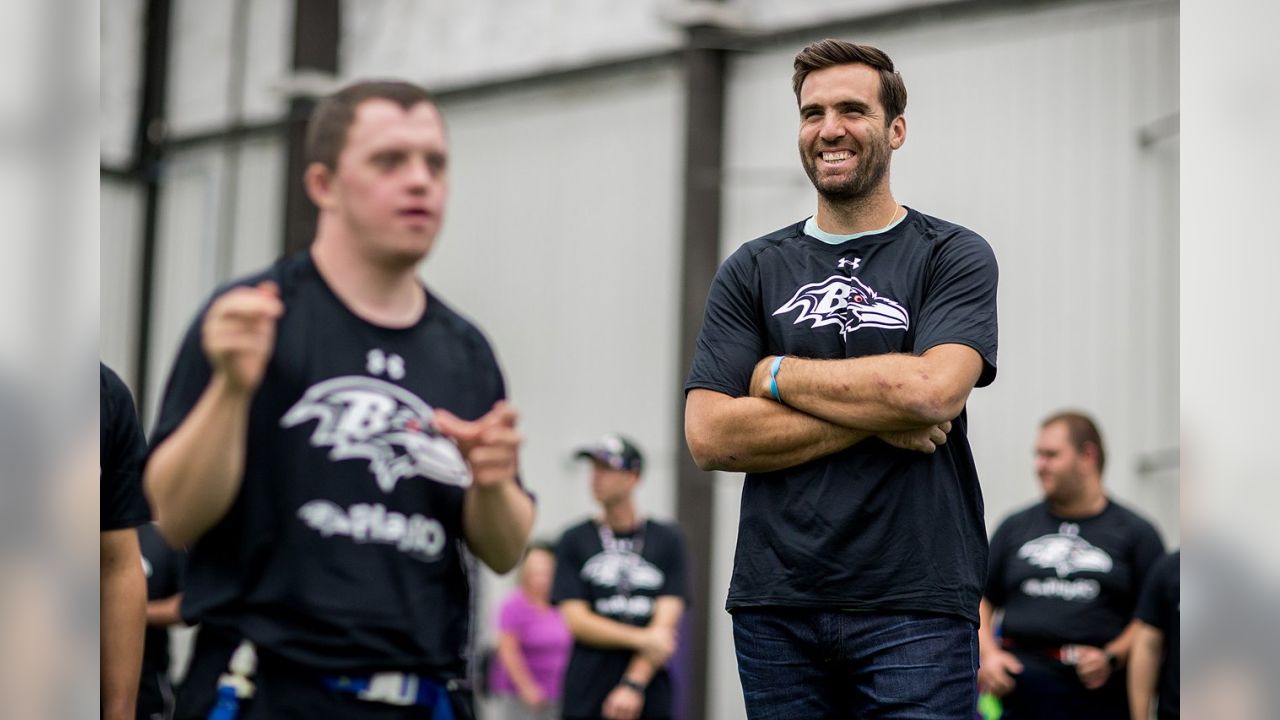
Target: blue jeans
{"type": "Point", "coordinates": [799, 664]}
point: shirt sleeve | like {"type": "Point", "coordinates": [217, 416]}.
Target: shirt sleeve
{"type": "Point", "coordinates": [960, 300]}
{"type": "Point", "coordinates": [732, 338]}
{"type": "Point", "coordinates": [1151, 606]}
{"type": "Point", "coordinates": [187, 381]}
{"type": "Point", "coordinates": [675, 569]}
{"type": "Point", "coordinates": [568, 584]}
{"type": "Point", "coordinates": [1146, 553]}
{"type": "Point", "coordinates": [509, 616]}
{"type": "Point", "coordinates": [995, 588]}
{"type": "Point", "coordinates": [121, 455]}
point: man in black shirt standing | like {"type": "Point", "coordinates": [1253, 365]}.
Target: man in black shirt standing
{"type": "Point", "coordinates": [621, 585]}
{"type": "Point", "coordinates": [334, 439]}
{"type": "Point", "coordinates": [1066, 573]}
{"type": "Point", "coordinates": [834, 364]}
{"type": "Point", "coordinates": [1153, 662]}
{"type": "Point", "coordinates": [122, 450]}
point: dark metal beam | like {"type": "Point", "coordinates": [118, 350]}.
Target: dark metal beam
{"type": "Point", "coordinates": [700, 254]}
{"type": "Point", "coordinates": [317, 29]}
{"type": "Point", "coordinates": [148, 164]}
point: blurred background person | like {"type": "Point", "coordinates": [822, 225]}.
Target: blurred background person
{"type": "Point", "coordinates": [164, 568]}
{"type": "Point", "coordinates": [621, 583]}
{"type": "Point", "coordinates": [533, 643]}
{"type": "Point", "coordinates": [122, 449]}
{"type": "Point", "coordinates": [1066, 574]}
{"type": "Point", "coordinates": [1153, 662]}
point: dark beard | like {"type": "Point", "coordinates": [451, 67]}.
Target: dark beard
{"type": "Point", "coordinates": [872, 166]}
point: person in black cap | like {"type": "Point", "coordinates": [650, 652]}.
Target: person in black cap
{"type": "Point", "coordinates": [621, 585]}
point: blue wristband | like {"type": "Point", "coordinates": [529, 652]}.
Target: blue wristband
{"type": "Point", "coordinates": [773, 377]}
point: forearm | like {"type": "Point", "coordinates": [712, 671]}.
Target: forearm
{"type": "Point", "coordinates": [986, 626]}
{"type": "Point", "coordinates": [595, 630]}
{"type": "Point", "coordinates": [498, 519]}
{"type": "Point", "coordinates": [1122, 645]}
{"type": "Point", "coordinates": [877, 392]}
{"type": "Point", "coordinates": [513, 662]}
{"type": "Point", "coordinates": [1144, 668]}
{"type": "Point", "coordinates": [750, 434]}
{"type": "Point", "coordinates": [123, 599]}
{"type": "Point", "coordinates": [164, 612]}
{"type": "Point", "coordinates": [667, 612]}
{"type": "Point", "coordinates": [193, 477]}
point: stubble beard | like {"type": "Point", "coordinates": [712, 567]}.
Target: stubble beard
{"type": "Point", "coordinates": [873, 165]}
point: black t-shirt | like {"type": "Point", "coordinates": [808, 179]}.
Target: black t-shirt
{"type": "Point", "coordinates": [122, 450]}
{"type": "Point", "coordinates": [619, 583]}
{"type": "Point", "coordinates": [344, 550]}
{"type": "Point", "coordinates": [1159, 606]}
{"type": "Point", "coordinates": [872, 526]}
{"type": "Point", "coordinates": [1070, 581]}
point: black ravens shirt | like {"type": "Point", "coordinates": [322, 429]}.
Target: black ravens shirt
{"type": "Point", "coordinates": [619, 576]}
{"type": "Point", "coordinates": [344, 549]}
{"type": "Point", "coordinates": [1067, 581]}
{"type": "Point", "coordinates": [872, 526]}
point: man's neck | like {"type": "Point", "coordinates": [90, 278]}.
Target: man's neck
{"type": "Point", "coordinates": [386, 296]}
{"type": "Point", "coordinates": [860, 215]}
{"type": "Point", "coordinates": [622, 516]}
{"type": "Point", "coordinates": [1085, 506]}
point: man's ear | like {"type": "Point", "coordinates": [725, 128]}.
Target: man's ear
{"type": "Point", "coordinates": [898, 132]}
{"type": "Point", "coordinates": [318, 180]}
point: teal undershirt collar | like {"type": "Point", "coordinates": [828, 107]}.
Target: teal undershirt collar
{"type": "Point", "coordinates": [811, 229]}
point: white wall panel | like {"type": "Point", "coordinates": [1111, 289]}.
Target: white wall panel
{"type": "Point", "coordinates": [206, 66]}
{"type": "Point", "coordinates": [561, 242]}
{"type": "Point", "coordinates": [120, 90]}
{"type": "Point", "coordinates": [454, 42]}
{"type": "Point", "coordinates": [120, 268]}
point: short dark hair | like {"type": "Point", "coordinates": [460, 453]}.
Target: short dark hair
{"type": "Point", "coordinates": [829, 53]}
{"type": "Point", "coordinates": [1082, 430]}
{"type": "Point", "coordinates": [327, 129]}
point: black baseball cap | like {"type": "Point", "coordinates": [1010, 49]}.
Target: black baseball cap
{"type": "Point", "coordinates": [615, 451]}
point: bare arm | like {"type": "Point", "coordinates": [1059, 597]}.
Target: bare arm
{"type": "Point", "coordinates": [998, 666]}
{"type": "Point", "coordinates": [1093, 665]}
{"type": "Point", "coordinates": [751, 434]}
{"type": "Point", "coordinates": [1144, 668]}
{"type": "Point", "coordinates": [193, 477]}
{"type": "Point", "coordinates": [497, 514]}
{"type": "Point", "coordinates": [123, 599]}
{"type": "Point", "coordinates": [589, 628]}
{"type": "Point", "coordinates": [877, 392]}
{"type": "Point", "coordinates": [626, 703]}
{"type": "Point", "coordinates": [164, 612]}
{"type": "Point", "coordinates": [513, 661]}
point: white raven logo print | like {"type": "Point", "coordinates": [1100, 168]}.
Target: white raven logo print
{"type": "Point", "coordinates": [607, 570]}
{"type": "Point", "coordinates": [1065, 554]}
{"type": "Point", "coordinates": [363, 417]}
{"type": "Point", "coordinates": [846, 302]}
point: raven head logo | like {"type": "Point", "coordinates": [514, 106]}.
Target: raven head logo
{"type": "Point", "coordinates": [846, 302]}
{"type": "Point", "coordinates": [606, 569]}
{"type": "Point", "coordinates": [1065, 554]}
{"type": "Point", "coordinates": [374, 420]}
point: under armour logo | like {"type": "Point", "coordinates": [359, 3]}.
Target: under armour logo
{"type": "Point", "coordinates": [378, 362]}
{"type": "Point", "coordinates": [853, 264]}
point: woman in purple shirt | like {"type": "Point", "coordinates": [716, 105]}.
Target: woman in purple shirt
{"type": "Point", "coordinates": [533, 642]}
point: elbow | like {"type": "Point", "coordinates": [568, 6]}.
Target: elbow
{"type": "Point", "coordinates": [702, 445]}
{"type": "Point", "coordinates": [933, 403]}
